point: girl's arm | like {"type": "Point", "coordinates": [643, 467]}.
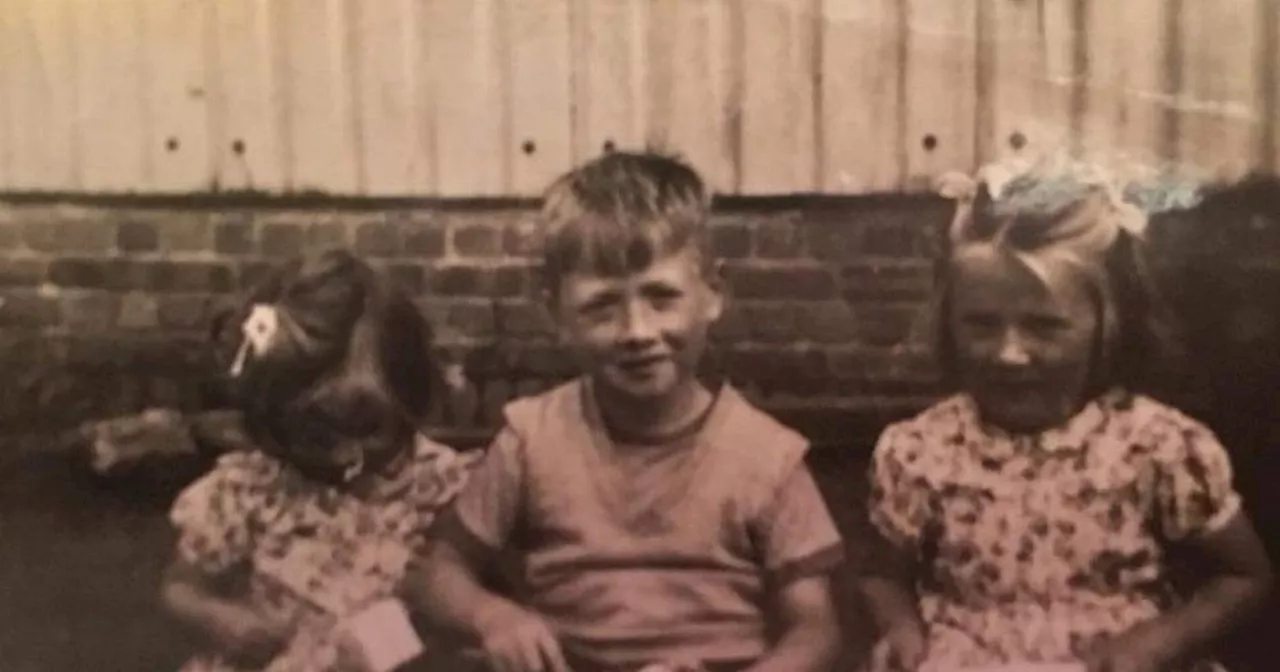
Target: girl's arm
{"type": "Point", "coordinates": [1240, 579]}
{"type": "Point", "coordinates": [208, 608]}
{"type": "Point", "coordinates": [888, 586]}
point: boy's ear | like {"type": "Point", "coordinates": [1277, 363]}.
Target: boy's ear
{"type": "Point", "coordinates": [719, 290]}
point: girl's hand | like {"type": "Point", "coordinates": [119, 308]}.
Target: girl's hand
{"type": "Point", "coordinates": [1146, 648]}
{"type": "Point", "coordinates": [904, 646]}
{"type": "Point", "coordinates": [246, 637]}
{"type": "Point", "coordinates": [517, 640]}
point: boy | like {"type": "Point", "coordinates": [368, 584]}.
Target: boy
{"type": "Point", "coordinates": [657, 518]}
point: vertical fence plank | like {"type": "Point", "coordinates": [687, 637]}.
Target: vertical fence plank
{"type": "Point", "coordinates": [1219, 120]}
{"type": "Point", "coordinates": [539, 92]}
{"type": "Point", "coordinates": [778, 111]}
{"type": "Point", "coordinates": [471, 147]}
{"type": "Point", "coordinates": [395, 121]}
{"type": "Point", "coordinates": [1027, 77]}
{"type": "Point", "coordinates": [1125, 97]}
{"type": "Point", "coordinates": [177, 141]}
{"type": "Point", "coordinates": [608, 75]}
{"type": "Point", "coordinates": [316, 90]}
{"type": "Point", "coordinates": [862, 119]}
{"type": "Point", "coordinates": [112, 119]}
{"type": "Point", "coordinates": [245, 118]}
{"type": "Point", "coordinates": [940, 71]}
{"type": "Point", "coordinates": [689, 97]}
{"type": "Point", "coordinates": [12, 24]}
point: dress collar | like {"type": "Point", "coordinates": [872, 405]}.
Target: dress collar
{"type": "Point", "coordinates": [1069, 437]}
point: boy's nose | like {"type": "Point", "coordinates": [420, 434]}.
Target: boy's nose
{"type": "Point", "coordinates": [638, 326]}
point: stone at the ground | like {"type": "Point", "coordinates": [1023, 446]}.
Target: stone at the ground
{"type": "Point", "coordinates": [118, 445]}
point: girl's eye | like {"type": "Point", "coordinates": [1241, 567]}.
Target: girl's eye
{"type": "Point", "coordinates": [979, 321]}
{"type": "Point", "coordinates": [1047, 324]}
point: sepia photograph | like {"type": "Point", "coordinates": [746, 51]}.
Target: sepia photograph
{"type": "Point", "coordinates": [639, 335]}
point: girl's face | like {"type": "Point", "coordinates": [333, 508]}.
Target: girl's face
{"type": "Point", "coordinates": [1023, 345]}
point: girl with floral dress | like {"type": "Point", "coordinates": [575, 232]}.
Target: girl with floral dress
{"type": "Point", "coordinates": [284, 542]}
{"type": "Point", "coordinates": [1029, 519]}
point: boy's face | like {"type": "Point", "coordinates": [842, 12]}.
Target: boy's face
{"type": "Point", "coordinates": [641, 334]}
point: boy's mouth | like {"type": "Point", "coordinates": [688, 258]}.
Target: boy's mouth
{"type": "Point", "coordinates": [640, 365]}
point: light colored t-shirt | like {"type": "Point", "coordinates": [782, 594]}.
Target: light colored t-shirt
{"type": "Point", "coordinates": [641, 553]}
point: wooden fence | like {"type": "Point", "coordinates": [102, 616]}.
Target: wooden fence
{"type": "Point", "coordinates": [494, 97]}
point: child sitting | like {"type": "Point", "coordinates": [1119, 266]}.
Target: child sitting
{"type": "Point", "coordinates": [282, 541]}
{"type": "Point", "coordinates": [1029, 519]}
{"type": "Point", "coordinates": [660, 520]}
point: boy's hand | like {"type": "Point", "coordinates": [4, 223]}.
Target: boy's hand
{"type": "Point", "coordinates": [517, 640]}
{"type": "Point", "coordinates": [246, 637]}
{"type": "Point", "coordinates": [905, 646]}
{"type": "Point", "coordinates": [1145, 648]}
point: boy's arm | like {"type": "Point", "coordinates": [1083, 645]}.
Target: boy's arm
{"type": "Point", "coordinates": [887, 585]}
{"type": "Point", "coordinates": [810, 638]}
{"type": "Point", "coordinates": [802, 548]}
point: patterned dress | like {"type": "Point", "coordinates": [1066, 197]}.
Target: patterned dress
{"type": "Point", "coordinates": [1033, 547]}
{"type": "Point", "coordinates": [316, 553]}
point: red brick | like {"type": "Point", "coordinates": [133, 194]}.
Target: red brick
{"type": "Point", "coordinates": [250, 274]}
{"type": "Point", "coordinates": [522, 318]}
{"type": "Point", "coordinates": [70, 235]}
{"type": "Point", "coordinates": [520, 237]}
{"type": "Point", "coordinates": [544, 360]}
{"type": "Point", "coordinates": [184, 311]}
{"type": "Point", "coordinates": [886, 325]}
{"type": "Point", "coordinates": [779, 282]}
{"type": "Point", "coordinates": [474, 320]}
{"type": "Point", "coordinates": [28, 309]}
{"type": "Point", "coordinates": [894, 239]}
{"type": "Point", "coordinates": [10, 233]}
{"type": "Point", "coordinates": [328, 234]}
{"type": "Point", "coordinates": [827, 322]}
{"type": "Point", "coordinates": [478, 240]}
{"type": "Point", "coordinates": [780, 240]}
{"type": "Point", "coordinates": [185, 232]}
{"type": "Point", "coordinates": [23, 272]}
{"type": "Point", "coordinates": [233, 233]}
{"type": "Point", "coordinates": [878, 282]}
{"type": "Point", "coordinates": [189, 276]}
{"type": "Point", "coordinates": [86, 273]}
{"type": "Point", "coordinates": [731, 239]}
{"type": "Point", "coordinates": [90, 311]}
{"type": "Point", "coordinates": [138, 236]}
{"type": "Point", "coordinates": [282, 239]}
{"type": "Point", "coordinates": [424, 238]}
{"type": "Point", "coordinates": [497, 281]}
{"type": "Point", "coordinates": [138, 311]}
{"type": "Point", "coordinates": [410, 278]}
{"type": "Point", "coordinates": [378, 238]}
{"type": "Point", "coordinates": [773, 322]}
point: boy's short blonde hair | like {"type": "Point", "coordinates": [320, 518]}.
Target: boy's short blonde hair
{"type": "Point", "coordinates": [617, 213]}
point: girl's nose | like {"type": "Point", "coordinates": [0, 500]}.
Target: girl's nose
{"type": "Point", "coordinates": [1013, 350]}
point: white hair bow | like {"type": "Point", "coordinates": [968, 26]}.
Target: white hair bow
{"type": "Point", "coordinates": [260, 330]}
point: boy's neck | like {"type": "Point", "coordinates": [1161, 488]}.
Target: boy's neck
{"type": "Point", "coordinates": [653, 420]}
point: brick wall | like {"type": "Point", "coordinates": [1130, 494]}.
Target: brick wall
{"type": "Point", "coordinates": [106, 303]}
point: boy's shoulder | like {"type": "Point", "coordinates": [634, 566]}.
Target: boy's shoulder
{"type": "Point", "coordinates": [525, 415]}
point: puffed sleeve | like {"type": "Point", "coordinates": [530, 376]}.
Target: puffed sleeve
{"type": "Point", "coordinates": [1195, 493]}
{"type": "Point", "coordinates": [216, 516]}
{"type": "Point", "coordinates": [899, 502]}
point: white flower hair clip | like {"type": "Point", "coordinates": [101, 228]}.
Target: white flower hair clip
{"type": "Point", "coordinates": [260, 330]}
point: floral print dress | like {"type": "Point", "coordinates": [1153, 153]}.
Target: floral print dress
{"type": "Point", "coordinates": [315, 554]}
{"type": "Point", "coordinates": [1033, 547]}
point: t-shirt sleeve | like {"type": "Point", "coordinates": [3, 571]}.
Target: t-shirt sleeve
{"type": "Point", "coordinates": [899, 502]}
{"type": "Point", "coordinates": [1195, 494]}
{"type": "Point", "coordinates": [486, 508]}
{"type": "Point", "coordinates": [797, 534]}
{"type": "Point", "coordinates": [215, 517]}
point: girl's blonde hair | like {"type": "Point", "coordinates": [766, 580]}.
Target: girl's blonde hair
{"type": "Point", "coordinates": [1073, 214]}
